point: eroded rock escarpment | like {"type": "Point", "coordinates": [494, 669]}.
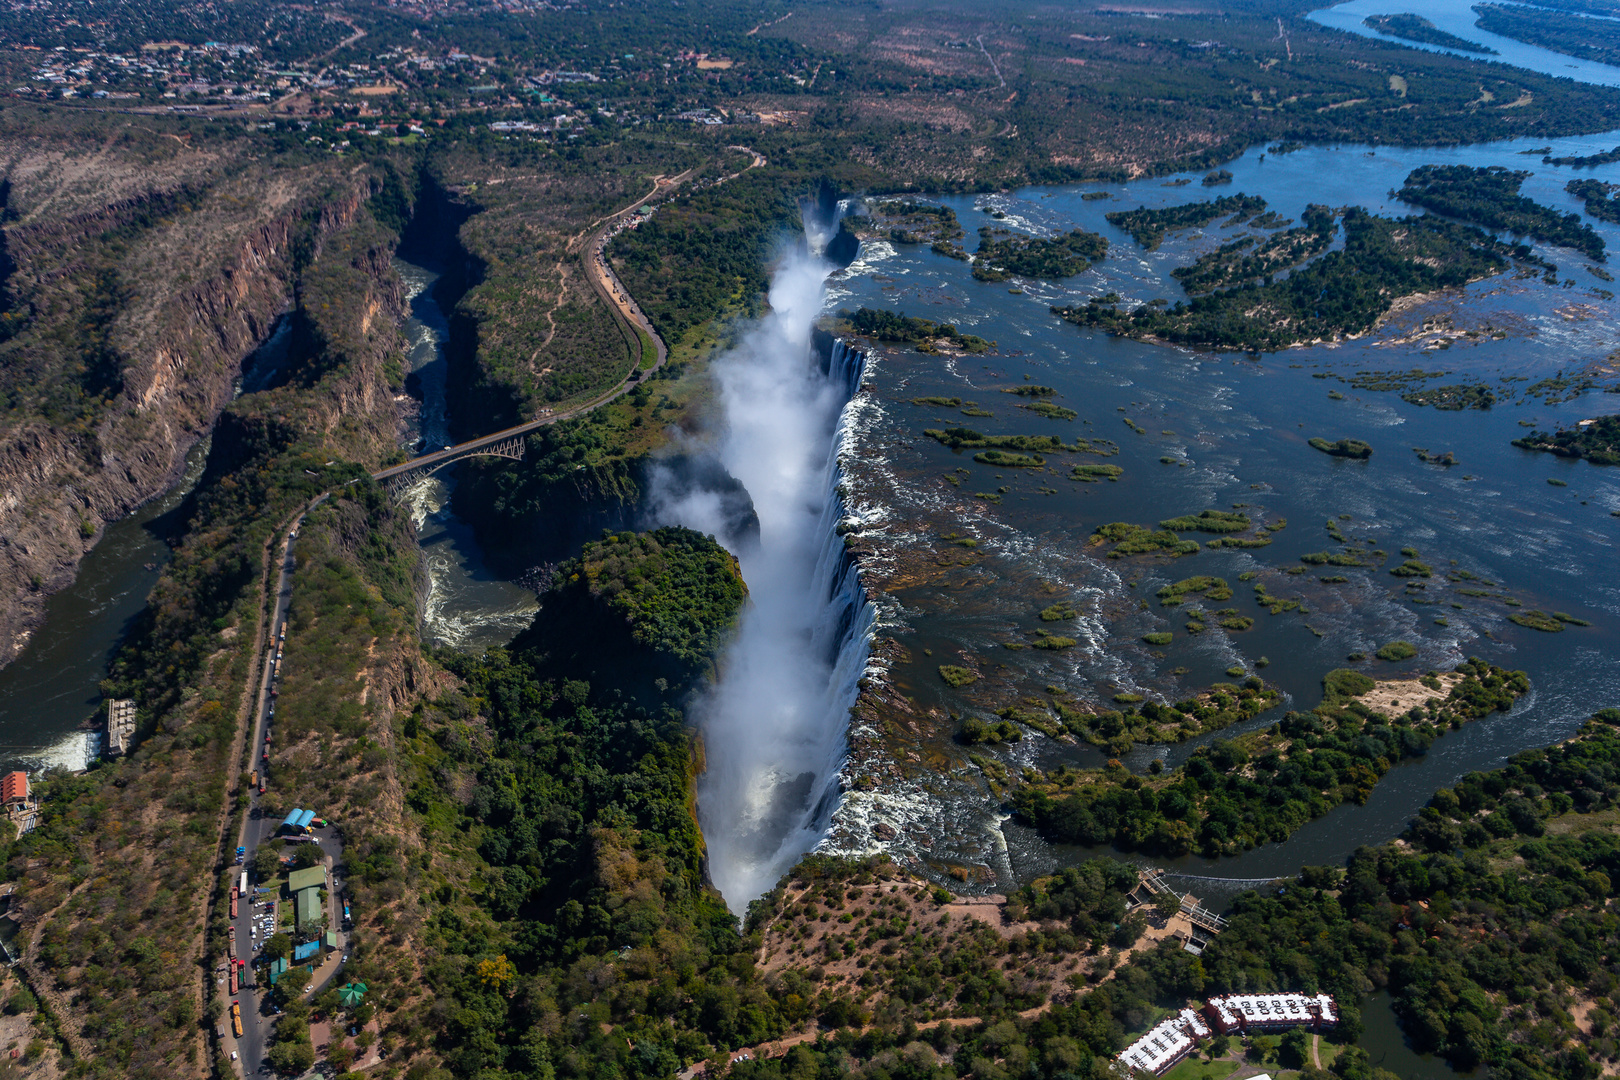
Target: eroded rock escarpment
{"type": "Point", "coordinates": [122, 330]}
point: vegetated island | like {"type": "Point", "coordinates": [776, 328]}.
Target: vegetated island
{"type": "Point", "coordinates": [1568, 33]}
{"type": "Point", "coordinates": [898, 326]}
{"type": "Point", "coordinates": [1597, 196]}
{"type": "Point", "coordinates": [1003, 254]}
{"type": "Point", "coordinates": [908, 222]}
{"type": "Point", "coordinates": [1016, 451]}
{"type": "Point", "coordinates": [1596, 440]}
{"type": "Point", "coordinates": [1233, 264]}
{"type": "Point", "coordinates": [1132, 539]}
{"type": "Point", "coordinates": [1343, 293]}
{"type": "Point", "coordinates": [1350, 448]}
{"type": "Point", "coordinates": [1585, 161]}
{"type": "Point", "coordinates": [1490, 197]}
{"type": "Point", "coordinates": [1148, 227]}
{"type": "Point", "coordinates": [1119, 730]}
{"type": "Point", "coordinates": [1260, 787]}
{"type": "Point", "coordinates": [1411, 384]}
{"type": "Point", "coordinates": [1417, 28]}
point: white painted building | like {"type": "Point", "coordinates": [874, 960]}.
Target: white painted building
{"type": "Point", "coordinates": [1244, 1013]}
{"type": "Point", "coordinates": [1166, 1044]}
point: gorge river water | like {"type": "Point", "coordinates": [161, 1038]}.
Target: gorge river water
{"type": "Point", "coordinates": [466, 606]}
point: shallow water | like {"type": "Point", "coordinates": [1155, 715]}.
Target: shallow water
{"type": "Point", "coordinates": [1236, 429]}
{"type": "Point", "coordinates": [466, 607]}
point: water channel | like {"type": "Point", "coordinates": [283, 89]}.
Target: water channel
{"type": "Point", "coordinates": [1457, 17]}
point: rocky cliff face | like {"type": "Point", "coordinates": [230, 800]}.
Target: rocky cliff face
{"type": "Point", "coordinates": [202, 277]}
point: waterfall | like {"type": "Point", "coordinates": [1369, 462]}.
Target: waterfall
{"type": "Point", "coordinates": [774, 724]}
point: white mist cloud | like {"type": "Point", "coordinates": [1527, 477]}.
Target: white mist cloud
{"type": "Point", "coordinates": [774, 725]}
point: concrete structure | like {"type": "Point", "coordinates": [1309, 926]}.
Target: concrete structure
{"type": "Point", "coordinates": [120, 727]}
{"type": "Point", "coordinates": [1246, 1013]}
{"type": "Point", "coordinates": [14, 789]}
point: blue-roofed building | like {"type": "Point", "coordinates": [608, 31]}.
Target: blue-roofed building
{"type": "Point", "coordinates": [305, 818]}
{"type": "Point", "coordinates": [291, 820]}
{"type": "Point", "coordinates": [307, 950]}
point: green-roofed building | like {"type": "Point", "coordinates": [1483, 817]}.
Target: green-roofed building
{"type": "Point", "coordinates": [299, 880]}
{"type": "Point", "coordinates": [306, 906]}
{"type": "Point", "coordinates": [331, 940]}
{"type": "Point", "coordinates": [277, 970]}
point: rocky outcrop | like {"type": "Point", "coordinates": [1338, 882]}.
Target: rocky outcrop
{"type": "Point", "coordinates": [178, 356]}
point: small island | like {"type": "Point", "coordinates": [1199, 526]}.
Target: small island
{"type": "Point", "coordinates": [1234, 264]}
{"type": "Point", "coordinates": [1490, 197]}
{"type": "Point", "coordinates": [1585, 161]}
{"type": "Point", "coordinates": [1417, 28]}
{"type": "Point", "coordinates": [1340, 294]}
{"type": "Point", "coordinates": [898, 326]}
{"type": "Point", "coordinates": [1003, 255]}
{"type": "Point", "coordinates": [1148, 227]}
{"type": "Point", "coordinates": [1348, 448]}
{"type": "Point", "coordinates": [1597, 196]}
{"type": "Point", "coordinates": [1597, 440]}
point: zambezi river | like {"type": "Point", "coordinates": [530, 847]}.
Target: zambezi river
{"type": "Point", "coordinates": [1201, 430]}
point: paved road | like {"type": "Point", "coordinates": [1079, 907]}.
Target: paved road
{"type": "Point", "coordinates": [607, 285]}
{"type": "Point", "coordinates": [261, 824]}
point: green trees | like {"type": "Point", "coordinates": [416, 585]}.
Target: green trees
{"type": "Point", "coordinates": [267, 862]}
{"type": "Point", "coordinates": [1148, 227]}
{"type": "Point", "coordinates": [1001, 256]}
{"type": "Point", "coordinates": [1490, 197]}
{"type": "Point", "coordinates": [640, 608]}
{"type": "Point", "coordinates": [1598, 441]}
{"type": "Point", "coordinates": [1304, 766]}
{"type": "Point", "coordinates": [1417, 28]}
{"type": "Point", "coordinates": [1342, 292]}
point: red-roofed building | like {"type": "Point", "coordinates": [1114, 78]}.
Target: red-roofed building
{"type": "Point", "coordinates": [14, 788]}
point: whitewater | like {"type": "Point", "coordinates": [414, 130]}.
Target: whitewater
{"type": "Point", "coordinates": [774, 723]}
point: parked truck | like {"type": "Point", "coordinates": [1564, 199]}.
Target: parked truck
{"type": "Point", "coordinates": [233, 979]}
{"type": "Point", "coordinates": [241, 886]}
{"type": "Point", "coordinates": [236, 1018]}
